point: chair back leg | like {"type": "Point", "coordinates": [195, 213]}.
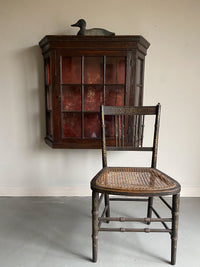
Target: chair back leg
{"type": "Point", "coordinates": [107, 203]}
{"type": "Point", "coordinates": [149, 209]}
{"type": "Point", "coordinates": [174, 234]}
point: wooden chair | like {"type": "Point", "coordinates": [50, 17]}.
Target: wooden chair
{"type": "Point", "coordinates": [145, 182]}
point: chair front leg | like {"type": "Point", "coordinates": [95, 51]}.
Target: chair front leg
{"type": "Point", "coordinates": [174, 234]}
{"type": "Point", "coordinates": [107, 203]}
{"type": "Point", "coordinates": [95, 213]}
{"type": "Point", "coordinates": [149, 209]}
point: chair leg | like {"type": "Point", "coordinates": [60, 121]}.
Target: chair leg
{"type": "Point", "coordinates": [174, 234]}
{"type": "Point", "coordinates": [107, 202]}
{"type": "Point", "coordinates": [95, 213]}
{"type": "Point", "coordinates": [149, 210]}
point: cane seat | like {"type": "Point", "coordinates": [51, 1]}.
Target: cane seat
{"type": "Point", "coordinates": [133, 181]}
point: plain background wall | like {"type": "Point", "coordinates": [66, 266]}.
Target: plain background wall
{"type": "Point", "coordinates": [27, 165]}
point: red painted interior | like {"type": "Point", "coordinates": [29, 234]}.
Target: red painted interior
{"type": "Point", "coordinates": [93, 98]}
{"type": "Point", "coordinates": [115, 70]}
{"type": "Point", "coordinates": [93, 70]}
{"type": "Point", "coordinates": [71, 98]}
{"type": "Point", "coordinates": [92, 127]}
{"type": "Point", "coordinates": [72, 125]}
{"type": "Point", "coordinates": [71, 70]}
{"type": "Point", "coordinates": [114, 96]}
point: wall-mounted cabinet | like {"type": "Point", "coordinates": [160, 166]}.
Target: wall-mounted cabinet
{"type": "Point", "coordinates": [83, 72]}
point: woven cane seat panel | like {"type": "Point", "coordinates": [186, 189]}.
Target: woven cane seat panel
{"type": "Point", "coordinates": [131, 179]}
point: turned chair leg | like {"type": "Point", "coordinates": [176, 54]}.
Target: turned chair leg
{"type": "Point", "coordinates": [174, 234]}
{"type": "Point", "coordinates": [149, 209]}
{"type": "Point", "coordinates": [107, 203]}
{"type": "Point", "coordinates": [95, 213]}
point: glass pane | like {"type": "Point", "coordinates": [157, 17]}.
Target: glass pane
{"type": "Point", "coordinates": [114, 96]}
{"type": "Point", "coordinates": [137, 95]}
{"type": "Point", "coordinates": [71, 124]}
{"type": "Point", "coordinates": [47, 71]}
{"type": "Point", "coordinates": [93, 98]}
{"type": "Point", "coordinates": [115, 70]}
{"type": "Point", "coordinates": [71, 97]}
{"type": "Point", "coordinates": [49, 124]}
{"type": "Point", "coordinates": [92, 127]}
{"type": "Point", "coordinates": [49, 98]}
{"type": "Point", "coordinates": [93, 70]}
{"type": "Point", "coordinates": [110, 125]}
{"type": "Point", "coordinates": [71, 70]}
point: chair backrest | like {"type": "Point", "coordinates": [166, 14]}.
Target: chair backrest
{"type": "Point", "coordinates": [126, 129]}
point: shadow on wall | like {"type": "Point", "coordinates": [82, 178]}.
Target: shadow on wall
{"type": "Point", "coordinates": [31, 62]}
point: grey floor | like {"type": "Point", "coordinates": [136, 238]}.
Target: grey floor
{"type": "Point", "coordinates": [56, 232]}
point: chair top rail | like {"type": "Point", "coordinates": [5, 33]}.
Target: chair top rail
{"type": "Point", "coordinates": [127, 110]}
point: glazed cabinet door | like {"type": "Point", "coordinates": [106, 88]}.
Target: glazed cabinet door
{"type": "Point", "coordinates": [86, 82]}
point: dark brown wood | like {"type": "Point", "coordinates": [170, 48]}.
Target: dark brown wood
{"type": "Point", "coordinates": [107, 204]}
{"type": "Point", "coordinates": [149, 209]}
{"type": "Point", "coordinates": [55, 47]}
{"type": "Point", "coordinates": [113, 43]}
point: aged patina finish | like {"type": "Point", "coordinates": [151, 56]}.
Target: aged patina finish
{"type": "Point", "coordinates": [81, 23]}
{"type": "Point", "coordinates": [141, 182]}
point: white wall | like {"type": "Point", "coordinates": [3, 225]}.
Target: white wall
{"type": "Point", "coordinates": [27, 165]}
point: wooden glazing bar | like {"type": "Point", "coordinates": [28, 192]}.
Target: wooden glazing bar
{"type": "Point", "coordinates": [126, 219]}
{"type": "Point", "coordinates": [119, 131]}
{"type": "Point", "coordinates": [128, 199]}
{"type": "Point", "coordinates": [135, 130]}
{"type": "Point", "coordinates": [165, 202]}
{"type": "Point", "coordinates": [145, 230]}
{"type": "Point", "coordinates": [123, 130]}
{"type": "Point", "coordinates": [138, 130]}
{"type": "Point", "coordinates": [157, 215]}
{"type": "Point", "coordinates": [104, 79]}
{"type": "Point", "coordinates": [129, 148]}
{"type": "Point", "coordinates": [116, 132]}
{"type": "Point", "coordinates": [142, 130]}
{"type": "Point", "coordinates": [147, 110]}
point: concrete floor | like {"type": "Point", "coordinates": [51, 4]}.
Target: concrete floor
{"type": "Point", "coordinates": [56, 232]}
